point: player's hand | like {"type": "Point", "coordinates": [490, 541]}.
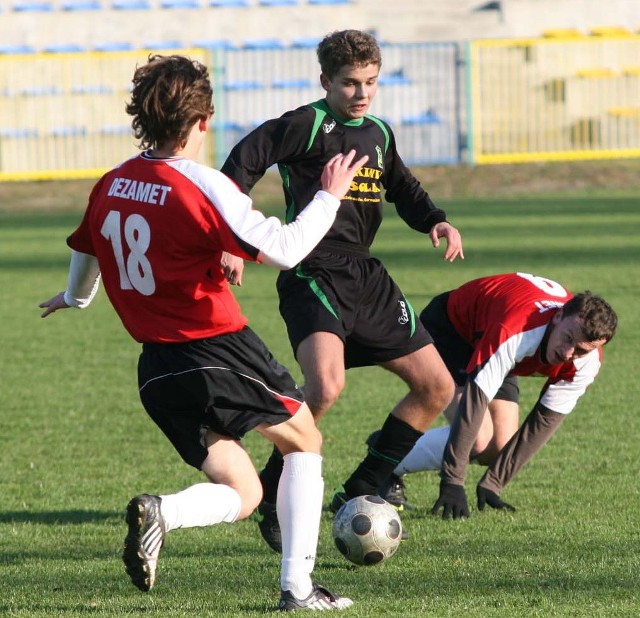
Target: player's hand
{"type": "Point", "coordinates": [339, 171]}
{"type": "Point", "coordinates": [53, 304]}
{"type": "Point", "coordinates": [486, 496]}
{"type": "Point", "coordinates": [452, 501]}
{"type": "Point", "coordinates": [452, 236]}
{"type": "Point", "coordinates": [233, 268]}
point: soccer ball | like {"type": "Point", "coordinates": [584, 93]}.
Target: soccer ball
{"type": "Point", "coordinates": [367, 530]}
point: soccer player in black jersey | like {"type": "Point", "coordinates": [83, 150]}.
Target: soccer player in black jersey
{"type": "Point", "coordinates": [341, 307]}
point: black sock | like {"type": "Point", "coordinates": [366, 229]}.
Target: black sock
{"type": "Point", "coordinates": [396, 439]}
{"type": "Point", "coordinates": [270, 476]}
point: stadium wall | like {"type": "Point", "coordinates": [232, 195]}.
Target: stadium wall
{"type": "Point", "coordinates": [567, 94]}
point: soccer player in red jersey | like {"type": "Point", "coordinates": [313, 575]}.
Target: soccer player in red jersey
{"type": "Point", "coordinates": [154, 231]}
{"type": "Point", "coordinates": [489, 331]}
{"type": "Point", "coordinates": [341, 307]}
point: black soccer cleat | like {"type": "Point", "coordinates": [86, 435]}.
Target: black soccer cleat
{"type": "Point", "coordinates": [270, 526]}
{"type": "Point", "coordinates": [393, 492]}
{"type": "Point", "coordinates": [319, 599]}
{"type": "Point", "coordinates": [339, 498]}
{"type": "Point", "coordinates": [144, 540]}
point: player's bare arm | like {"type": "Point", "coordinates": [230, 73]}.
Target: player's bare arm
{"type": "Point", "coordinates": [452, 236]}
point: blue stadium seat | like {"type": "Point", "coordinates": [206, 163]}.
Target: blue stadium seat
{"type": "Point", "coordinates": [242, 84]}
{"type": "Point", "coordinates": [230, 3]}
{"type": "Point", "coordinates": [263, 44]}
{"type": "Point", "coordinates": [278, 2]}
{"type": "Point", "coordinates": [16, 49]}
{"type": "Point", "coordinates": [131, 5]}
{"type": "Point", "coordinates": [426, 117]}
{"type": "Point", "coordinates": [115, 129]}
{"type": "Point", "coordinates": [63, 48]}
{"type": "Point", "coordinates": [306, 42]}
{"type": "Point", "coordinates": [291, 83]}
{"type": "Point", "coordinates": [81, 5]}
{"type": "Point", "coordinates": [91, 89]}
{"type": "Point", "coordinates": [18, 132]}
{"type": "Point", "coordinates": [394, 78]}
{"type": "Point", "coordinates": [41, 91]}
{"type": "Point", "coordinates": [113, 46]}
{"type": "Point", "coordinates": [214, 44]}
{"type": "Point", "coordinates": [156, 45]}
{"type": "Point", "coordinates": [229, 125]}
{"type": "Point", "coordinates": [180, 4]}
{"type": "Point", "coordinates": [68, 131]}
{"type": "Point", "coordinates": [36, 6]}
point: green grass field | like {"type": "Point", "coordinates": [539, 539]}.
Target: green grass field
{"type": "Point", "coordinates": [75, 444]}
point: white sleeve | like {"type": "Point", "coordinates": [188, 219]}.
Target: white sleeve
{"type": "Point", "coordinates": [563, 395]}
{"type": "Point", "coordinates": [286, 246]}
{"type": "Point", "coordinates": [84, 279]}
{"type": "Point", "coordinates": [272, 242]}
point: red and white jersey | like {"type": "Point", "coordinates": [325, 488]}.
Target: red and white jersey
{"type": "Point", "coordinates": [504, 318]}
{"type": "Point", "coordinates": [158, 228]}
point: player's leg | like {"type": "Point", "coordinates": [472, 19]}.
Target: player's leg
{"type": "Point", "coordinates": [233, 492]}
{"type": "Point", "coordinates": [430, 390]}
{"type": "Point", "coordinates": [321, 358]}
{"type": "Point", "coordinates": [299, 507]}
{"type": "Point", "coordinates": [499, 425]}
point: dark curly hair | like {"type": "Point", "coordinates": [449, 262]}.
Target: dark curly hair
{"type": "Point", "coordinates": [169, 94]}
{"type": "Point", "coordinates": [599, 319]}
{"type": "Point", "coordinates": [347, 48]}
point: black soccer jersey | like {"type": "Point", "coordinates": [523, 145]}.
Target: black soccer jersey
{"type": "Point", "coordinates": [301, 141]}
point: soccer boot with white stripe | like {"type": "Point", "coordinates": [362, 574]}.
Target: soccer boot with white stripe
{"type": "Point", "coordinates": [144, 540]}
{"type": "Point", "coordinates": [319, 599]}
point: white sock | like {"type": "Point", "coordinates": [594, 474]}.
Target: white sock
{"type": "Point", "coordinates": [203, 504]}
{"type": "Point", "coordinates": [426, 453]}
{"type": "Point", "coordinates": [299, 506]}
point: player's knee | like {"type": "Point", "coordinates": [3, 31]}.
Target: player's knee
{"type": "Point", "coordinates": [250, 496]}
{"type": "Point", "coordinates": [437, 391]}
{"type": "Point", "coordinates": [308, 442]}
{"type": "Point", "coordinates": [322, 396]}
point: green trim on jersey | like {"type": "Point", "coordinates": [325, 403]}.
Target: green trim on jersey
{"type": "Point", "coordinates": [322, 110]}
{"type": "Point", "coordinates": [320, 114]}
{"type": "Point", "coordinates": [284, 170]}
{"type": "Point", "coordinates": [316, 290]}
{"type": "Point", "coordinates": [289, 214]}
{"type": "Point", "coordinates": [379, 122]}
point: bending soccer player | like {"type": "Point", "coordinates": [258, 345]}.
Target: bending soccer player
{"type": "Point", "coordinates": [154, 231]}
{"type": "Point", "coordinates": [341, 307]}
{"type": "Point", "coordinates": [490, 331]}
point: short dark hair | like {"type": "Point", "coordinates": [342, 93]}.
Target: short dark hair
{"type": "Point", "coordinates": [347, 48]}
{"type": "Point", "coordinates": [599, 319]}
{"type": "Point", "coordinates": [169, 94]}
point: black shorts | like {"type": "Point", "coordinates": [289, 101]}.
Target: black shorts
{"type": "Point", "coordinates": [229, 384]}
{"type": "Point", "coordinates": [356, 299]}
{"type": "Point", "coordinates": [455, 352]}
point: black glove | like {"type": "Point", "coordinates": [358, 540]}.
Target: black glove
{"type": "Point", "coordinates": [452, 501]}
{"type": "Point", "coordinates": [486, 496]}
